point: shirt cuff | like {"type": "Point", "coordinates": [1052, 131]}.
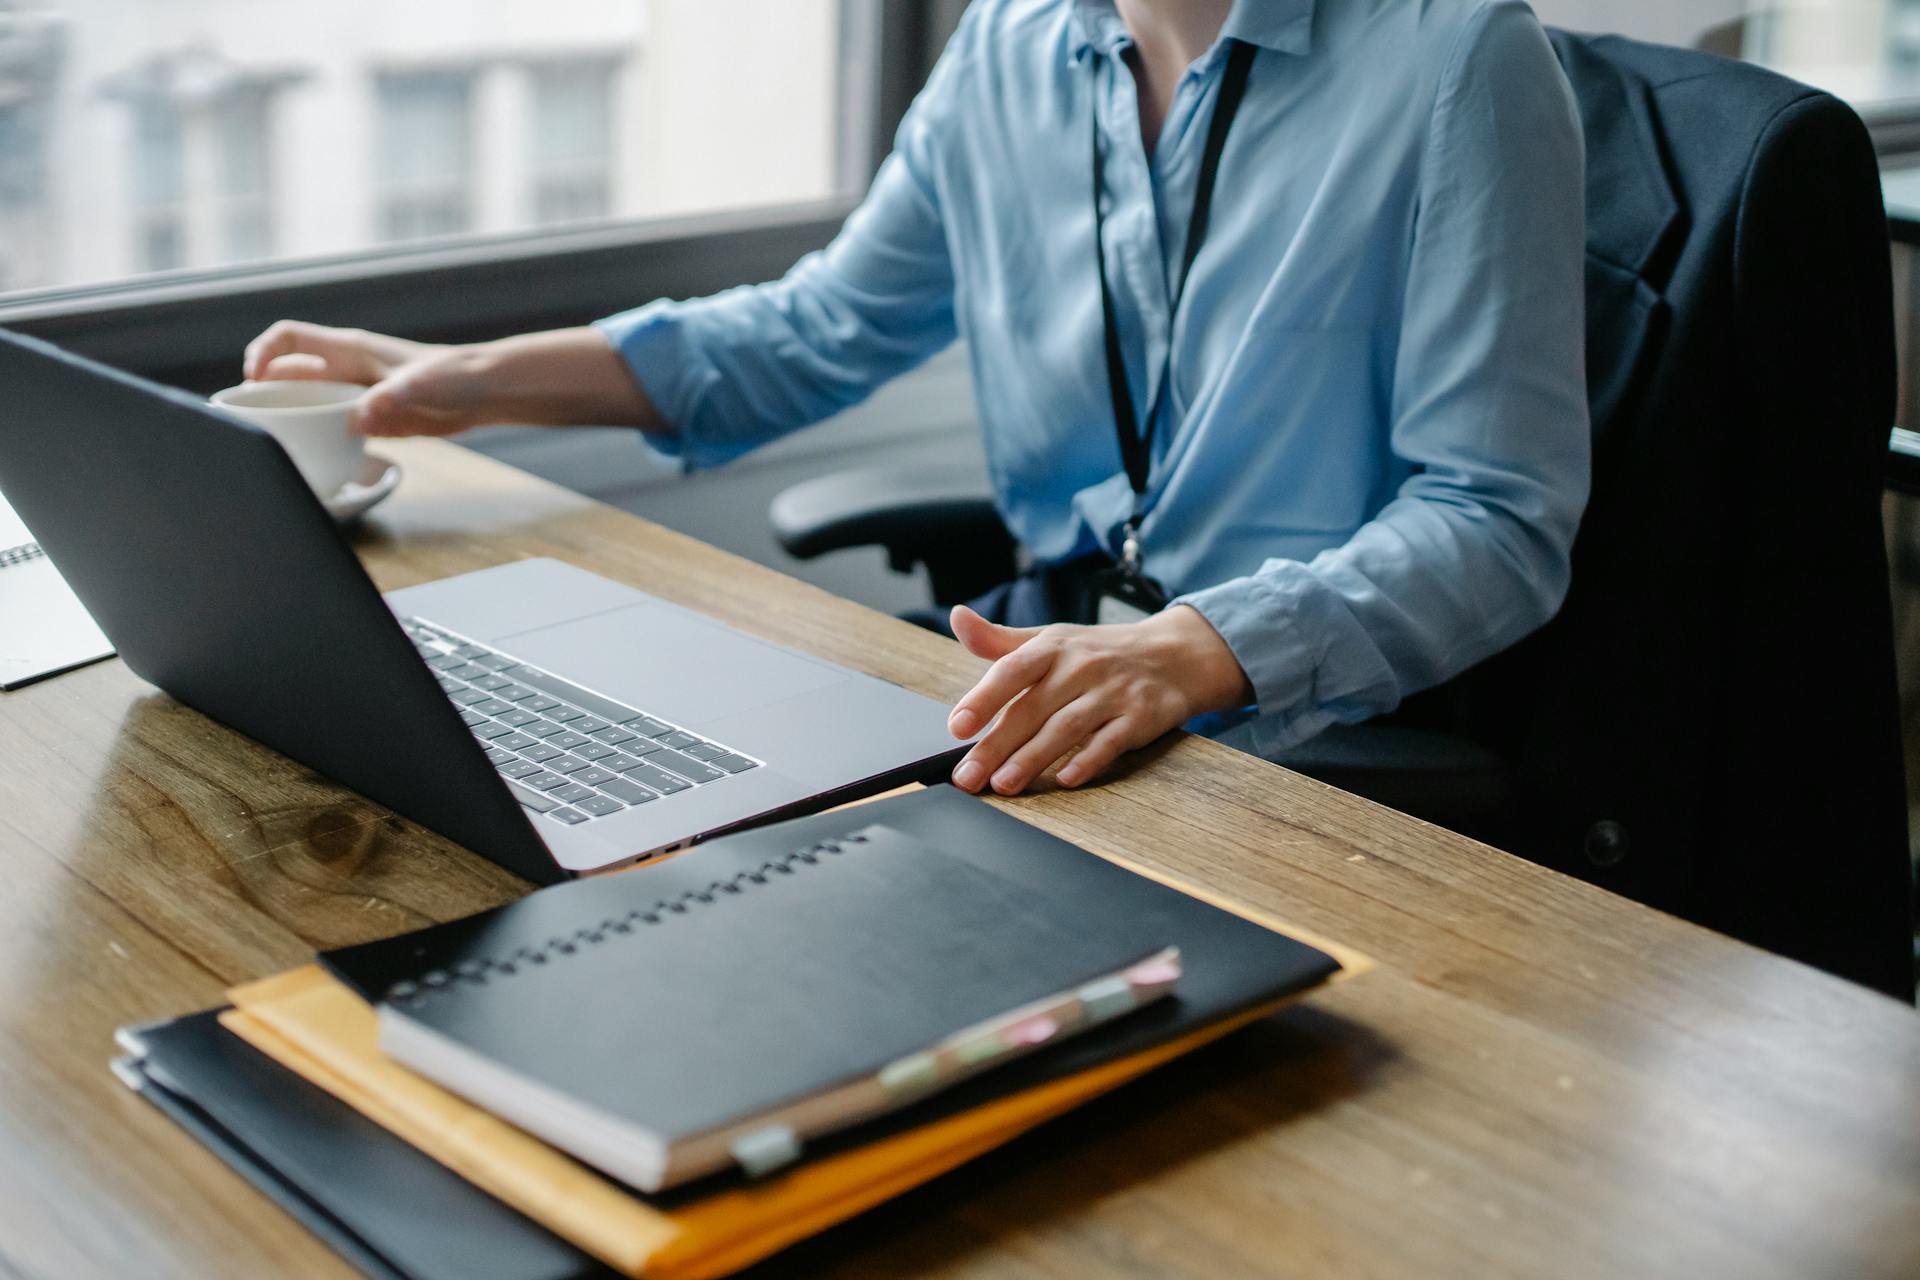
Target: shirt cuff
{"type": "Point", "coordinates": [1266, 636]}
{"type": "Point", "coordinates": [675, 374]}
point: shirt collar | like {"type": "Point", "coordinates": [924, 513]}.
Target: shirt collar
{"type": "Point", "coordinates": [1282, 25]}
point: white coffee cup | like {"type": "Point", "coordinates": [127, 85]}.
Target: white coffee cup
{"type": "Point", "coordinates": [311, 420]}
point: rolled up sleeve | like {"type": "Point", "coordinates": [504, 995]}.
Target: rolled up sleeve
{"type": "Point", "coordinates": [1488, 409]}
{"type": "Point", "coordinates": [740, 368]}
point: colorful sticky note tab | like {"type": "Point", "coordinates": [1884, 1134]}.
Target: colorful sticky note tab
{"type": "Point", "coordinates": [1158, 972]}
{"type": "Point", "coordinates": [764, 1150]}
{"type": "Point", "coordinates": [1107, 998]}
{"type": "Point", "coordinates": [1032, 1031]}
{"type": "Point", "coordinates": [916, 1071]}
{"type": "Point", "coordinates": [980, 1049]}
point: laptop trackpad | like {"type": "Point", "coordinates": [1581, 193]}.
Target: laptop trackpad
{"type": "Point", "coordinates": [670, 663]}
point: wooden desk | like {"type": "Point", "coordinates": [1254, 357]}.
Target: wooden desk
{"type": "Point", "coordinates": [1540, 1080]}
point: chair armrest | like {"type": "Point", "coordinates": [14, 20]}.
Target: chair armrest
{"type": "Point", "coordinates": [1903, 461]}
{"type": "Point", "coordinates": [882, 506]}
{"type": "Point", "coordinates": [942, 517]}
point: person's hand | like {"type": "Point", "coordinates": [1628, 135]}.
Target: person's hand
{"type": "Point", "coordinates": [1083, 695]}
{"type": "Point", "coordinates": [415, 388]}
{"type": "Point", "coordinates": [563, 377]}
{"type": "Point", "coordinates": [294, 349]}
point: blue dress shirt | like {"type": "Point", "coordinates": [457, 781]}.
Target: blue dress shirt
{"type": "Point", "coordinates": [1372, 453]}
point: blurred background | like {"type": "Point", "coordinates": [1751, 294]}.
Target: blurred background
{"type": "Point", "coordinates": [152, 136]}
{"type": "Point", "coordinates": [144, 136]}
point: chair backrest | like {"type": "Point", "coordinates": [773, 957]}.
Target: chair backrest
{"type": "Point", "coordinates": [1709, 725]}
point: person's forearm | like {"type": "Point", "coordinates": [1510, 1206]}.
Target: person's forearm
{"type": "Point", "coordinates": [563, 377]}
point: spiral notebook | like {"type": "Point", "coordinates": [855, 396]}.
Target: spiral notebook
{"type": "Point", "coordinates": [44, 629]}
{"type": "Point", "coordinates": [660, 1036]}
{"type": "Point", "coordinates": [728, 1006]}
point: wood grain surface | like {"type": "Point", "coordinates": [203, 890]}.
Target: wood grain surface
{"type": "Point", "coordinates": [1539, 1080]}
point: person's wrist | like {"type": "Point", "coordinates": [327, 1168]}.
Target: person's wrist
{"type": "Point", "coordinates": [390, 354]}
{"type": "Point", "coordinates": [475, 380]}
{"type": "Point", "coordinates": [1201, 664]}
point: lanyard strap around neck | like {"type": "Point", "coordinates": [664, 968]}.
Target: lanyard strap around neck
{"type": "Point", "coordinates": [1136, 436]}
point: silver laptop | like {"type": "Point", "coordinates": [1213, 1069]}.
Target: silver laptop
{"type": "Point", "coordinates": [541, 715]}
{"type": "Point", "coordinates": [626, 725]}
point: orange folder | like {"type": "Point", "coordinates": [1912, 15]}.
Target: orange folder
{"type": "Point", "coordinates": [314, 1025]}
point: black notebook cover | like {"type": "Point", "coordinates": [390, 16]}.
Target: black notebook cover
{"type": "Point", "coordinates": [767, 981]}
{"type": "Point", "coordinates": [391, 1211]}
{"type": "Point", "coordinates": [570, 966]}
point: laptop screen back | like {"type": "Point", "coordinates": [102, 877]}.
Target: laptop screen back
{"type": "Point", "coordinates": [196, 546]}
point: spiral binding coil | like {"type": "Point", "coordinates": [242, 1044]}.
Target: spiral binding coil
{"type": "Point", "coordinates": [10, 556]}
{"type": "Point", "coordinates": [411, 992]}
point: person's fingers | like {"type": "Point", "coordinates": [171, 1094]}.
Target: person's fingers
{"type": "Point", "coordinates": [985, 639]}
{"type": "Point", "coordinates": [278, 339]}
{"type": "Point", "coordinates": [1099, 752]}
{"type": "Point", "coordinates": [394, 408]}
{"type": "Point", "coordinates": [294, 366]}
{"type": "Point", "coordinates": [1067, 728]}
{"type": "Point", "coordinates": [349, 355]}
{"type": "Point", "coordinates": [1020, 669]}
{"type": "Point", "coordinates": [1024, 717]}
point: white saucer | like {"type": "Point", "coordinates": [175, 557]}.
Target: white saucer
{"type": "Point", "coordinates": [378, 477]}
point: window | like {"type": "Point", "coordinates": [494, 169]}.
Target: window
{"type": "Point", "coordinates": [1856, 49]}
{"type": "Point", "coordinates": [28, 54]}
{"type": "Point", "coordinates": [197, 134]}
{"type": "Point", "coordinates": [572, 137]}
{"type": "Point", "coordinates": [425, 170]}
{"type": "Point", "coordinates": [241, 125]}
{"type": "Point", "coordinates": [194, 147]}
{"type": "Point", "coordinates": [24, 251]}
{"type": "Point", "coordinates": [1678, 22]}
{"type": "Point", "coordinates": [159, 182]}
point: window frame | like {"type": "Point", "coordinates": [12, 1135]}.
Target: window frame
{"type": "Point", "coordinates": [187, 328]}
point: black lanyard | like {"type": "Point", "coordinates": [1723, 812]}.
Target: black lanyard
{"type": "Point", "coordinates": [1136, 437]}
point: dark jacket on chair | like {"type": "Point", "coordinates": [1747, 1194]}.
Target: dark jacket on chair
{"type": "Point", "coordinates": [1710, 724]}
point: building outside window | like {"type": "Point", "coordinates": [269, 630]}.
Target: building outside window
{"type": "Point", "coordinates": [424, 175]}
{"type": "Point", "coordinates": [243, 175]}
{"type": "Point", "coordinates": [572, 141]}
{"type": "Point", "coordinates": [156, 135]}
{"type": "Point", "coordinates": [29, 65]}
{"type": "Point", "coordinates": [23, 194]}
{"type": "Point", "coordinates": [197, 130]}
{"type": "Point", "coordinates": [159, 186]}
{"type": "Point", "coordinates": [395, 120]}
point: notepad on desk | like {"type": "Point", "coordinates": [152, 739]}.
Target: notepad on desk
{"type": "Point", "coordinates": [660, 1032]}
{"type": "Point", "coordinates": [44, 629]}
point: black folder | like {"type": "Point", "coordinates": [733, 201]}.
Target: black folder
{"type": "Point", "coordinates": [386, 1208]}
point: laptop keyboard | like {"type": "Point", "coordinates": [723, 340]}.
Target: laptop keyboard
{"type": "Point", "coordinates": [564, 751]}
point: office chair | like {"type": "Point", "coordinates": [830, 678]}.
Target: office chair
{"type": "Point", "coordinates": [1709, 724]}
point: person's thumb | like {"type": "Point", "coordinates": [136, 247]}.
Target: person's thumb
{"type": "Point", "coordinates": [405, 405]}
{"type": "Point", "coordinates": [985, 639]}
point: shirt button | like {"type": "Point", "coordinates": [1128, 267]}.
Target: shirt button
{"type": "Point", "coordinates": [1607, 843]}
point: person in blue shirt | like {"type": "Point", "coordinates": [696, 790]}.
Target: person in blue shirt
{"type": "Point", "coordinates": [1360, 442]}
